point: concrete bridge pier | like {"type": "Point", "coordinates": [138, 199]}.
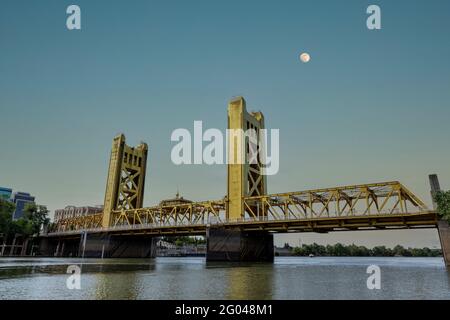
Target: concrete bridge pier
{"type": "Point", "coordinates": [443, 226]}
{"type": "Point", "coordinates": [99, 245]}
{"type": "Point", "coordinates": [104, 245]}
{"type": "Point", "coordinates": [239, 246]}
{"type": "Point", "coordinates": [444, 236]}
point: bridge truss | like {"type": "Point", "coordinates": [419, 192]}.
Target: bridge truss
{"type": "Point", "coordinates": [246, 206]}
{"type": "Point", "coordinates": [356, 207]}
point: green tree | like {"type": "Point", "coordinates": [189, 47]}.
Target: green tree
{"type": "Point", "coordinates": [416, 252]}
{"type": "Point", "coordinates": [35, 217]}
{"type": "Point", "coordinates": [299, 251]}
{"type": "Point", "coordinates": [399, 251]}
{"type": "Point", "coordinates": [330, 250]}
{"type": "Point", "coordinates": [23, 227]}
{"type": "Point", "coordinates": [340, 250]}
{"type": "Point", "coordinates": [185, 240]}
{"type": "Point", "coordinates": [354, 251]}
{"type": "Point", "coordinates": [381, 251]}
{"type": "Point", "coordinates": [442, 199]}
{"type": "Point", "coordinates": [6, 211]}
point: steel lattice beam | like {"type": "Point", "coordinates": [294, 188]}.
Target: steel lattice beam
{"type": "Point", "coordinates": [356, 207]}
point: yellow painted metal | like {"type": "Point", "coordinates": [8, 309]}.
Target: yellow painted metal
{"type": "Point", "coordinates": [181, 214]}
{"type": "Point", "coordinates": [244, 178]}
{"type": "Point", "coordinates": [369, 199]}
{"type": "Point", "coordinates": [247, 205]}
{"type": "Point", "coordinates": [126, 178]}
{"type": "Point", "coordinates": [319, 210]}
{"type": "Point", "coordinates": [420, 220]}
{"type": "Point", "coordinates": [92, 221]}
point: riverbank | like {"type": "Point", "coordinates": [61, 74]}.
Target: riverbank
{"type": "Point", "coordinates": [340, 250]}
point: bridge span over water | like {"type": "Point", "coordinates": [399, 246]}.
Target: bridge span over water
{"type": "Point", "coordinates": [240, 226]}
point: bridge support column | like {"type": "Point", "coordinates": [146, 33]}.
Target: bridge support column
{"type": "Point", "coordinates": [237, 245]}
{"type": "Point", "coordinates": [99, 245]}
{"type": "Point", "coordinates": [444, 236]}
{"type": "Point", "coordinates": [46, 247]}
{"type": "Point", "coordinates": [103, 245]}
{"type": "Point", "coordinates": [24, 250]}
{"type": "Point", "coordinates": [443, 226]}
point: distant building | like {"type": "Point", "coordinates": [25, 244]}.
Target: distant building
{"type": "Point", "coordinates": [161, 244]}
{"type": "Point", "coordinates": [20, 199]}
{"type": "Point", "coordinates": [5, 193]}
{"type": "Point", "coordinates": [72, 212]}
{"type": "Point", "coordinates": [286, 250]}
{"type": "Point", "coordinates": [174, 201]}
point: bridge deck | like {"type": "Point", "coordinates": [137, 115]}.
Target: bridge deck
{"type": "Point", "coordinates": [426, 219]}
{"type": "Point", "coordinates": [387, 205]}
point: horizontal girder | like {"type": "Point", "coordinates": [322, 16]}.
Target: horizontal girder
{"type": "Point", "coordinates": [358, 207]}
{"type": "Point", "coordinates": [427, 219]}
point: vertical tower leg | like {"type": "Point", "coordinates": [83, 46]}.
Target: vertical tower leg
{"type": "Point", "coordinates": [245, 179]}
{"type": "Point", "coordinates": [443, 226]}
{"type": "Point", "coordinates": [126, 178]}
{"type": "Point", "coordinates": [113, 179]}
{"type": "Point", "coordinates": [245, 172]}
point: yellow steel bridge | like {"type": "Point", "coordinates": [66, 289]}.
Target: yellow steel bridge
{"type": "Point", "coordinates": [247, 206]}
{"type": "Point", "coordinates": [361, 207]}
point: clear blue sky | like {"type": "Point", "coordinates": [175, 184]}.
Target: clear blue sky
{"type": "Point", "coordinates": [370, 106]}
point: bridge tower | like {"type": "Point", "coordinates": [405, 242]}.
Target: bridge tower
{"type": "Point", "coordinates": [443, 226]}
{"type": "Point", "coordinates": [245, 172]}
{"type": "Point", "coordinates": [126, 178]}
{"type": "Point", "coordinates": [245, 179]}
{"type": "Point", "coordinates": [124, 190]}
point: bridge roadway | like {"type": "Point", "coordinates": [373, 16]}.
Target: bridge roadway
{"type": "Point", "coordinates": [425, 219]}
{"type": "Point", "coordinates": [387, 205]}
{"type": "Point", "coordinates": [379, 206]}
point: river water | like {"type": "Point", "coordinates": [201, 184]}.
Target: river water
{"type": "Point", "coordinates": [193, 278]}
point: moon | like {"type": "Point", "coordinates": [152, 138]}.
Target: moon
{"type": "Point", "coordinates": [305, 57]}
